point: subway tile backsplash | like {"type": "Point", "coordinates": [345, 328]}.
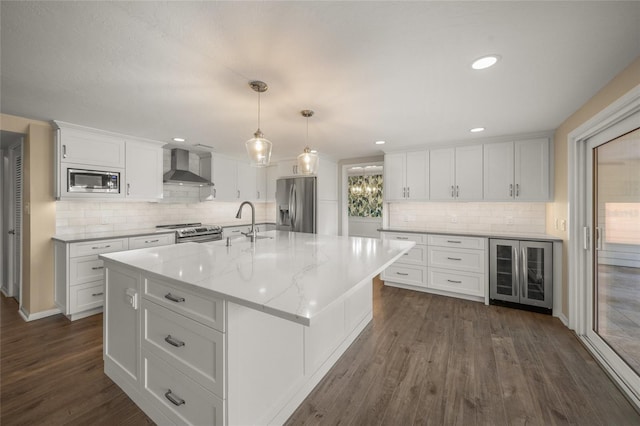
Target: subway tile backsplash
{"type": "Point", "coordinates": [78, 217]}
{"type": "Point", "coordinates": [529, 218]}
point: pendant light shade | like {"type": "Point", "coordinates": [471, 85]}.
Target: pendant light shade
{"type": "Point", "coordinates": [308, 160]}
{"type": "Point", "coordinates": [258, 147]}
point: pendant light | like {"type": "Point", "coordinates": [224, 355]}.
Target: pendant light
{"type": "Point", "coordinates": [258, 147]}
{"type": "Point", "coordinates": [308, 160]}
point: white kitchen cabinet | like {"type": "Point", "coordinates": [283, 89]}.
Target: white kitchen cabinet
{"type": "Point", "coordinates": [327, 180]}
{"type": "Point", "coordinates": [79, 274]}
{"type": "Point", "coordinates": [288, 168]}
{"type": "Point", "coordinates": [232, 180]}
{"type": "Point", "coordinates": [411, 268]}
{"type": "Point", "coordinates": [246, 189]}
{"type": "Point", "coordinates": [517, 170]}
{"type": "Point", "coordinates": [89, 147]}
{"type": "Point", "coordinates": [143, 171]}
{"type": "Point", "coordinates": [455, 174]}
{"type": "Point", "coordinates": [406, 176]}
{"type": "Point", "coordinates": [270, 188]}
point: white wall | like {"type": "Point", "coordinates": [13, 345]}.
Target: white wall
{"type": "Point", "coordinates": [527, 218]}
{"type": "Point", "coordinates": [364, 226]}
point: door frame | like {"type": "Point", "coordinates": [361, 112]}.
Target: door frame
{"type": "Point", "coordinates": [17, 146]}
{"type": "Point", "coordinates": [620, 117]}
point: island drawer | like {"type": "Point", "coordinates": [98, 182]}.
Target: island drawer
{"type": "Point", "coordinates": [455, 241]}
{"type": "Point", "coordinates": [179, 398]}
{"type": "Point", "coordinates": [460, 259]}
{"type": "Point", "coordinates": [416, 256]}
{"type": "Point", "coordinates": [457, 282]}
{"type": "Point", "coordinates": [202, 308]}
{"type": "Point", "coordinates": [87, 296]}
{"type": "Point", "coordinates": [404, 236]}
{"type": "Point", "coordinates": [194, 349]}
{"type": "Point", "coordinates": [414, 275]}
{"type": "Point", "coordinates": [152, 240]}
{"type": "Point", "coordinates": [97, 247]}
{"type": "Point", "coordinates": [85, 269]}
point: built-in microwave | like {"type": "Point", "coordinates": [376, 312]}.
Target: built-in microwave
{"type": "Point", "coordinates": [80, 180]}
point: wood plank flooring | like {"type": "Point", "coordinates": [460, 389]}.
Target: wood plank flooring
{"type": "Point", "coordinates": [425, 359]}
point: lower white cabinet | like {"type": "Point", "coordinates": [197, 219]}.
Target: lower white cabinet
{"type": "Point", "coordinates": [79, 273]}
{"type": "Point", "coordinates": [451, 265]}
{"type": "Point", "coordinates": [187, 357]}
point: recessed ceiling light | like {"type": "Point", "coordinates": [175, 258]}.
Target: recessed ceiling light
{"type": "Point", "coordinates": [179, 139]}
{"type": "Point", "coordinates": [380, 142]}
{"type": "Point", "coordinates": [477, 129]}
{"type": "Point", "coordinates": [485, 62]}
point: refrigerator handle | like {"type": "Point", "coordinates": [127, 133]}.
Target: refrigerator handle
{"type": "Point", "coordinates": [290, 205]}
{"type": "Point", "coordinates": [517, 271]}
{"type": "Point", "coordinates": [293, 209]}
{"type": "Point", "coordinates": [525, 272]}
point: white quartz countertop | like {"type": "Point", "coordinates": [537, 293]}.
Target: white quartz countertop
{"type": "Point", "coordinates": [93, 236]}
{"type": "Point", "coordinates": [291, 275]}
{"type": "Point", "coordinates": [491, 234]}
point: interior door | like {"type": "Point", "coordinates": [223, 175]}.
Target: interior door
{"type": "Point", "coordinates": [15, 221]}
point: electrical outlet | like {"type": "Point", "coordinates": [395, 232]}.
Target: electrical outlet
{"type": "Point", "coordinates": [454, 219]}
{"type": "Point", "coordinates": [563, 225]}
{"type": "Point", "coordinates": [556, 224]}
{"type": "Point", "coordinates": [104, 220]}
{"type": "Point", "coordinates": [508, 220]}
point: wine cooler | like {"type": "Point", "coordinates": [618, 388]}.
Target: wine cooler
{"type": "Point", "coordinates": [521, 272]}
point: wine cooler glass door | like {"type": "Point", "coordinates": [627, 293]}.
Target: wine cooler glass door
{"type": "Point", "coordinates": [504, 270]}
{"type": "Point", "coordinates": [536, 273]}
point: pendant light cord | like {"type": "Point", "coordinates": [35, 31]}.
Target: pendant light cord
{"type": "Point", "coordinates": [258, 110]}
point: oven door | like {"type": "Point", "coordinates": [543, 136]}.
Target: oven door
{"type": "Point", "coordinates": [200, 238]}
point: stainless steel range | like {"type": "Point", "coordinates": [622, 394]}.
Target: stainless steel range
{"type": "Point", "coordinates": [194, 232]}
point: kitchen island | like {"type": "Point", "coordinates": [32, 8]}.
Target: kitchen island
{"type": "Point", "coordinates": [240, 334]}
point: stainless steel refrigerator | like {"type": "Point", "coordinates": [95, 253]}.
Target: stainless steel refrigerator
{"type": "Point", "coordinates": [296, 204]}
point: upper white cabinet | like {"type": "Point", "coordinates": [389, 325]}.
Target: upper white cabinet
{"type": "Point", "coordinates": [288, 168]}
{"type": "Point", "coordinates": [271, 174]}
{"type": "Point", "coordinates": [137, 162]}
{"type": "Point", "coordinates": [406, 176]}
{"type": "Point", "coordinates": [90, 147]}
{"type": "Point", "coordinates": [144, 170]}
{"type": "Point", "coordinates": [456, 173]}
{"type": "Point", "coordinates": [232, 180]}
{"type": "Point", "coordinates": [517, 170]}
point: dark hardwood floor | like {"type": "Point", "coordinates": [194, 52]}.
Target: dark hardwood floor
{"type": "Point", "coordinates": [425, 359]}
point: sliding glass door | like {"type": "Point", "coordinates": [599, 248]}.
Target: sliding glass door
{"type": "Point", "coordinates": [614, 214]}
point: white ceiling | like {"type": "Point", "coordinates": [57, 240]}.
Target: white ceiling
{"type": "Point", "coordinates": [397, 71]}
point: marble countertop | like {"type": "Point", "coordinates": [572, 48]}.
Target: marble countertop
{"type": "Point", "coordinates": [504, 235]}
{"type": "Point", "coordinates": [93, 236]}
{"type": "Point", "coordinates": [291, 275]}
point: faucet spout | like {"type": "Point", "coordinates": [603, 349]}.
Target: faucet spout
{"type": "Point", "coordinates": [252, 233]}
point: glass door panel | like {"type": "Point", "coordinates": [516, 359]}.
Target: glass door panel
{"type": "Point", "coordinates": [503, 270]}
{"type": "Point", "coordinates": [537, 273]}
{"type": "Point", "coordinates": [616, 258]}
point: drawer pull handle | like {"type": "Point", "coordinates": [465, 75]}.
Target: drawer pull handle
{"type": "Point", "coordinates": [95, 268]}
{"type": "Point", "coordinates": [174, 399]}
{"type": "Point", "coordinates": [402, 238]}
{"type": "Point", "coordinates": [173, 341]}
{"type": "Point", "coordinates": [100, 247]}
{"type": "Point", "coordinates": [455, 282]}
{"type": "Point", "coordinates": [173, 298]}
{"type": "Point", "coordinates": [406, 254]}
{"type": "Point", "coordinates": [402, 273]}
{"type": "Point", "coordinates": [97, 294]}
{"type": "Point", "coordinates": [454, 241]}
{"type": "Point", "coordinates": [454, 258]}
{"type": "Point", "coordinates": [151, 241]}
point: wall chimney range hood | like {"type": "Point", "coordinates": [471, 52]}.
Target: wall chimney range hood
{"type": "Point", "coordinates": [180, 174]}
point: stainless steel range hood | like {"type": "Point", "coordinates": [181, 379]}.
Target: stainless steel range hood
{"type": "Point", "coordinates": [180, 174]}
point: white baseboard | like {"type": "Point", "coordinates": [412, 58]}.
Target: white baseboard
{"type": "Point", "coordinates": [562, 318]}
{"type": "Point", "coordinates": [37, 315]}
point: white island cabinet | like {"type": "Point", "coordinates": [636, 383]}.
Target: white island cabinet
{"type": "Point", "coordinates": [209, 334]}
